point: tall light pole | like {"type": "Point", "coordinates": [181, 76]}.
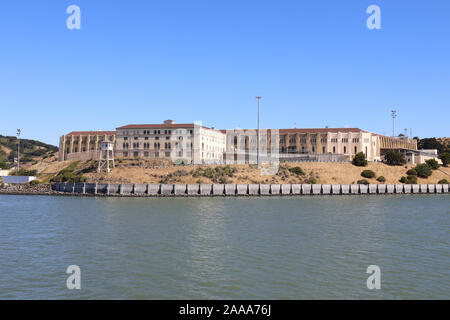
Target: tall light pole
{"type": "Point", "coordinates": [257, 136]}
{"type": "Point", "coordinates": [18, 149]}
{"type": "Point", "coordinates": [394, 115]}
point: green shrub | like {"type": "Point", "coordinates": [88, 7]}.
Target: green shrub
{"type": "Point", "coordinates": [443, 181]}
{"type": "Point", "coordinates": [297, 170]}
{"type": "Point", "coordinates": [180, 162]}
{"type": "Point", "coordinates": [34, 182]}
{"type": "Point", "coordinates": [3, 165]}
{"type": "Point", "coordinates": [363, 181]}
{"type": "Point", "coordinates": [432, 163]}
{"type": "Point", "coordinates": [411, 179]}
{"type": "Point", "coordinates": [381, 179]}
{"type": "Point", "coordinates": [411, 172]}
{"type": "Point", "coordinates": [445, 157]}
{"type": "Point", "coordinates": [403, 180]}
{"type": "Point", "coordinates": [394, 158]}
{"type": "Point", "coordinates": [368, 174]}
{"type": "Point", "coordinates": [312, 180]}
{"type": "Point", "coordinates": [23, 172]}
{"type": "Point", "coordinates": [423, 170]}
{"type": "Point", "coordinates": [360, 160]}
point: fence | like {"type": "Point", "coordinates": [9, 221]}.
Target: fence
{"type": "Point", "coordinates": [244, 189]}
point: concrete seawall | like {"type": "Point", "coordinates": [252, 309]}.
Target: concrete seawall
{"type": "Point", "coordinates": [180, 190]}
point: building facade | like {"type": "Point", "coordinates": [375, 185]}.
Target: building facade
{"type": "Point", "coordinates": [83, 145]}
{"type": "Point", "coordinates": [195, 143]}
{"type": "Point", "coordinates": [192, 142]}
{"type": "Point", "coordinates": [317, 144]}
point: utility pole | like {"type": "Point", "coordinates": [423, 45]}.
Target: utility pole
{"type": "Point", "coordinates": [257, 134]}
{"type": "Point", "coordinates": [18, 149]}
{"type": "Point", "coordinates": [394, 115]}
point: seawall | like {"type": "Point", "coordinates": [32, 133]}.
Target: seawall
{"type": "Point", "coordinates": [193, 190]}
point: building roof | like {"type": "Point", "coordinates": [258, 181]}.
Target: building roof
{"type": "Point", "coordinates": [161, 126]}
{"type": "Point", "coordinates": [157, 126]}
{"type": "Point", "coordinates": [310, 130]}
{"type": "Point", "coordinates": [91, 133]}
{"type": "Point", "coordinates": [320, 130]}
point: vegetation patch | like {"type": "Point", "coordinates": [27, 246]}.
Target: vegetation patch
{"type": "Point", "coordinates": [433, 164]}
{"type": "Point", "coordinates": [23, 172]}
{"type": "Point", "coordinates": [68, 174]}
{"type": "Point", "coordinates": [368, 174]}
{"type": "Point", "coordinates": [423, 170]}
{"type": "Point", "coordinates": [394, 158]}
{"type": "Point", "coordinates": [360, 160]}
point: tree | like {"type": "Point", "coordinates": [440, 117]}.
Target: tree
{"type": "Point", "coordinates": [445, 157]}
{"type": "Point", "coordinates": [430, 143]}
{"type": "Point", "coordinates": [432, 163]}
{"type": "Point", "coordinates": [3, 165]}
{"type": "Point", "coordinates": [423, 170]}
{"type": "Point", "coordinates": [394, 158]}
{"type": "Point", "coordinates": [360, 160]}
{"type": "Point", "coordinates": [368, 174]}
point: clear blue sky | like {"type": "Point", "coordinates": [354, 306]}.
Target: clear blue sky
{"type": "Point", "coordinates": [314, 62]}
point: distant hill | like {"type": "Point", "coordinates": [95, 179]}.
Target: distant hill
{"type": "Point", "coordinates": [31, 151]}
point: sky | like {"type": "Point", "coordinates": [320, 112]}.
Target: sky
{"type": "Point", "coordinates": [315, 63]}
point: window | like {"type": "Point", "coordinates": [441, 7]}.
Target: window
{"type": "Point", "coordinates": [136, 154]}
{"type": "Point", "coordinates": [345, 149]}
{"type": "Point", "coordinates": [125, 154]}
{"type": "Point", "coordinates": [356, 149]}
{"type": "Point", "coordinates": [323, 149]}
{"type": "Point", "coordinates": [334, 149]}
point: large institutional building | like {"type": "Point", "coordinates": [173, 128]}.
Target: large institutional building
{"type": "Point", "coordinates": [198, 144]}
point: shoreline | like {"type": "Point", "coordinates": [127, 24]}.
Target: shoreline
{"type": "Point", "coordinates": [219, 190]}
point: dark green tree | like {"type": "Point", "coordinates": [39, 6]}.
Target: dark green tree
{"type": "Point", "coordinates": [360, 160]}
{"type": "Point", "coordinates": [394, 158]}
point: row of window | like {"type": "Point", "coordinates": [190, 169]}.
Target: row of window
{"type": "Point", "coordinates": [157, 131]}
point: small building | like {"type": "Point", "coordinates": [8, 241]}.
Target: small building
{"type": "Point", "coordinates": [4, 172]}
{"type": "Point", "coordinates": [421, 156]}
{"type": "Point", "coordinates": [18, 179]}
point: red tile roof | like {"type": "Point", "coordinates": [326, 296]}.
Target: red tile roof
{"type": "Point", "coordinates": [310, 130]}
{"type": "Point", "coordinates": [158, 126]}
{"type": "Point", "coordinates": [92, 133]}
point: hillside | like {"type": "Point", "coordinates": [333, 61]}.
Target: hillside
{"type": "Point", "coordinates": [141, 171]}
{"type": "Point", "coordinates": [31, 151]}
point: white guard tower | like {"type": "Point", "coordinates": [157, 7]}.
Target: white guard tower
{"type": "Point", "coordinates": [106, 155]}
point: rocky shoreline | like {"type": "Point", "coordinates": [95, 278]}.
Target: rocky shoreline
{"type": "Point", "coordinates": [26, 189]}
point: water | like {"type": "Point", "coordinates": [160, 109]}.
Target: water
{"type": "Point", "coordinates": [225, 248]}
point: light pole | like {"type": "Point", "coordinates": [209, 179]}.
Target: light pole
{"type": "Point", "coordinates": [257, 136]}
{"type": "Point", "coordinates": [18, 149]}
{"type": "Point", "coordinates": [394, 115]}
